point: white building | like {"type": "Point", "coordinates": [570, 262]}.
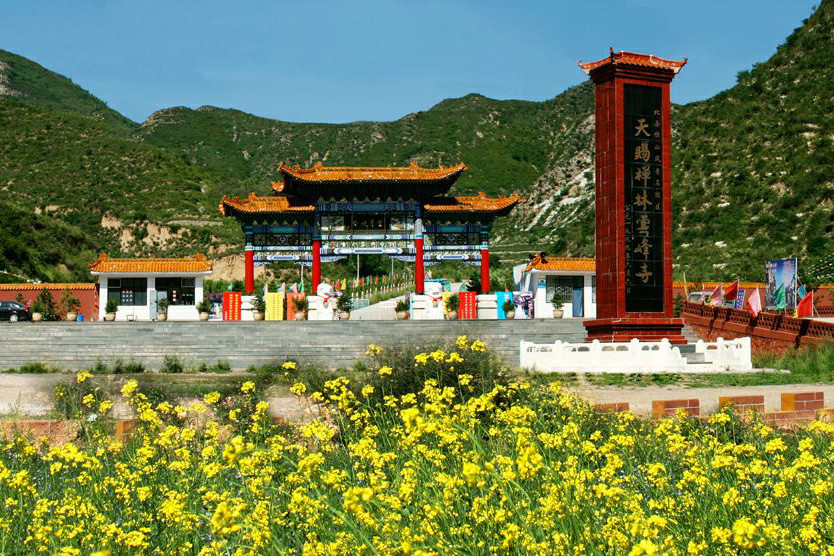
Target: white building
{"type": "Point", "coordinates": [572, 280]}
{"type": "Point", "coordinates": [137, 284]}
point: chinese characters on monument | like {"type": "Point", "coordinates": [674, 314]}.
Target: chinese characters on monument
{"type": "Point", "coordinates": [643, 199]}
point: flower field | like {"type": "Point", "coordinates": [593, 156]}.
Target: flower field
{"type": "Point", "coordinates": [460, 464]}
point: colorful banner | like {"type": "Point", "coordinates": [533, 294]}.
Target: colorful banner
{"type": "Point", "coordinates": [468, 306]}
{"type": "Point", "coordinates": [501, 298]}
{"type": "Point", "coordinates": [231, 305]}
{"type": "Point", "coordinates": [782, 274]}
{"type": "Point", "coordinates": [274, 306]}
{"type": "Point", "coordinates": [739, 302]}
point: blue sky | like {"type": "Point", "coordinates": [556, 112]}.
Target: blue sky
{"type": "Point", "coordinates": [339, 61]}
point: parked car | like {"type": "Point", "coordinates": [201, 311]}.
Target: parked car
{"type": "Point", "coordinates": [14, 311]}
{"type": "Point", "coordinates": [700, 297]}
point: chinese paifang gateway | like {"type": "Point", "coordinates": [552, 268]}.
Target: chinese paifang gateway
{"type": "Point", "coordinates": [327, 213]}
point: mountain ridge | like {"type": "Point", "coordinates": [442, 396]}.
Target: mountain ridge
{"type": "Point", "coordinates": [736, 202]}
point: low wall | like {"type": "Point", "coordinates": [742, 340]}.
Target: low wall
{"type": "Point", "coordinates": [768, 331]}
{"type": "Point", "coordinates": [86, 293]}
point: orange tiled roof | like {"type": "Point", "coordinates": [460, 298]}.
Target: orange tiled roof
{"type": "Point", "coordinates": [333, 174]}
{"type": "Point", "coordinates": [579, 264]}
{"type": "Point", "coordinates": [255, 204]}
{"type": "Point", "coordinates": [473, 203]}
{"type": "Point", "coordinates": [711, 285]}
{"type": "Point", "coordinates": [195, 264]}
{"type": "Point", "coordinates": [623, 58]}
{"type": "Point", "coordinates": [50, 286]}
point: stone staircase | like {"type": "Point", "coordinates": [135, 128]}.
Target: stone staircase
{"type": "Point", "coordinates": [333, 344]}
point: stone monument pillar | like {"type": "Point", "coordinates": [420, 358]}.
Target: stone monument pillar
{"type": "Point", "coordinates": [633, 199]}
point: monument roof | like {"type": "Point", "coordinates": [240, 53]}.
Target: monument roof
{"type": "Point", "coordinates": [578, 264]}
{"type": "Point", "coordinates": [274, 204]}
{"type": "Point", "coordinates": [184, 265]}
{"type": "Point", "coordinates": [634, 59]}
{"type": "Point", "coordinates": [324, 180]}
{"type": "Point", "coordinates": [479, 203]}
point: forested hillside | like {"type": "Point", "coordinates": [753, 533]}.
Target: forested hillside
{"type": "Point", "coordinates": [751, 181]}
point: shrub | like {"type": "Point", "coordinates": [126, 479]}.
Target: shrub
{"type": "Point", "coordinates": [45, 305]}
{"type": "Point", "coordinates": [345, 302]}
{"type": "Point", "coordinates": [69, 303]}
{"type": "Point", "coordinates": [172, 364]}
{"type": "Point", "coordinates": [508, 306]}
{"type": "Point", "coordinates": [402, 306]}
{"type": "Point", "coordinates": [111, 306]}
{"type": "Point", "coordinates": [300, 304]}
{"type": "Point", "coordinates": [452, 303]}
{"type": "Point", "coordinates": [258, 304]}
{"type": "Point", "coordinates": [120, 367]}
{"type": "Point", "coordinates": [204, 306]}
{"type": "Point", "coordinates": [162, 305]}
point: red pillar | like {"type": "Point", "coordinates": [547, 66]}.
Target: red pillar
{"type": "Point", "coordinates": [419, 278]}
{"type": "Point", "coordinates": [316, 264]}
{"type": "Point", "coordinates": [249, 271]}
{"type": "Point", "coordinates": [484, 270]}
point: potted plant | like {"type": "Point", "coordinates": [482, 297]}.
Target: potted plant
{"type": "Point", "coordinates": [509, 309]}
{"type": "Point", "coordinates": [452, 305]}
{"type": "Point", "coordinates": [203, 308]}
{"type": "Point", "coordinates": [37, 310]}
{"type": "Point", "coordinates": [300, 304]}
{"type": "Point", "coordinates": [259, 307]}
{"type": "Point", "coordinates": [43, 307]}
{"type": "Point", "coordinates": [401, 309]}
{"type": "Point", "coordinates": [110, 309]}
{"type": "Point", "coordinates": [162, 309]}
{"type": "Point", "coordinates": [558, 307]}
{"type": "Point", "coordinates": [344, 303]}
{"type": "Point", "coordinates": [71, 305]}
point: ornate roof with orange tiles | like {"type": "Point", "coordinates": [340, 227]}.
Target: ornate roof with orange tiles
{"type": "Point", "coordinates": [193, 265]}
{"type": "Point", "coordinates": [623, 58]}
{"type": "Point", "coordinates": [50, 286]}
{"type": "Point", "coordinates": [578, 264]}
{"type": "Point", "coordinates": [327, 174]}
{"type": "Point", "coordinates": [260, 205]}
{"type": "Point", "coordinates": [473, 203]}
{"type": "Point", "coordinates": [711, 285]}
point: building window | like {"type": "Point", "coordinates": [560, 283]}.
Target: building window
{"type": "Point", "coordinates": [179, 291]}
{"type": "Point", "coordinates": [561, 287]}
{"type": "Point", "coordinates": [594, 289]}
{"type": "Point", "coordinates": [128, 292]}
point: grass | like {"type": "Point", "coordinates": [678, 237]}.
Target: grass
{"type": "Point", "coordinates": [477, 468]}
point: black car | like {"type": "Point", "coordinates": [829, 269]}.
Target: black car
{"type": "Point", "coordinates": [13, 311]}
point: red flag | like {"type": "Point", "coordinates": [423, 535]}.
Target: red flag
{"type": "Point", "coordinates": [731, 293]}
{"type": "Point", "coordinates": [754, 303]}
{"type": "Point", "coordinates": [716, 298]}
{"type": "Point", "coordinates": [805, 308]}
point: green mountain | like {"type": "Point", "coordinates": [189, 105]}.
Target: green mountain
{"type": "Point", "coordinates": [751, 177]}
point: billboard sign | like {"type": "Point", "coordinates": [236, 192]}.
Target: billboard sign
{"type": "Point", "coordinates": [781, 273]}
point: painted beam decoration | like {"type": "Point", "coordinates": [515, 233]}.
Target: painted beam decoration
{"type": "Point", "coordinates": [643, 159]}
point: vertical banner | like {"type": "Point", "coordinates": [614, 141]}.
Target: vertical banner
{"type": "Point", "coordinates": [739, 303]}
{"type": "Point", "coordinates": [780, 289]}
{"type": "Point", "coordinates": [231, 305]}
{"type": "Point", "coordinates": [274, 306]}
{"type": "Point", "coordinates": [468, 309]}
{"type": "Point", "coordinates": [501, 298]}
{"type": "Point", "coordinates": [643, 199]}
